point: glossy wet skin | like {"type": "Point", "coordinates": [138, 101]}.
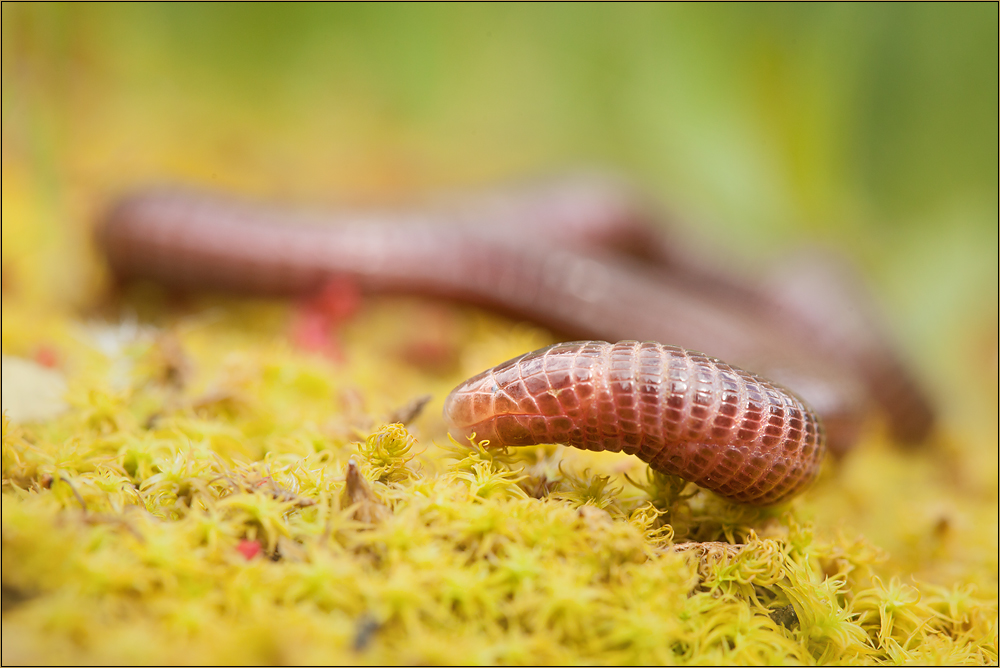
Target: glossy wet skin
{"type": "Point", "coordinates": [682, 412]}
{"type": "Point", "coordinates": [515, 402]}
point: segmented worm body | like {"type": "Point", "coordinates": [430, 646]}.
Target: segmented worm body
{"type": "Point", "coordinates": [682, 412]}
{"type": "Point", "coordinates": [582, 259]}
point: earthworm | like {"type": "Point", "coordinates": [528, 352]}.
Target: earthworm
{"type": "Point", "coordinates": [813, 293]}
{"type": "Point", "coordinates": [682, 412]}
{"type": "Point", "coordinates": [531, 255]}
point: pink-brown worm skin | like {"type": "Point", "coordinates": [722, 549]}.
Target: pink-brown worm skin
{"type": "Point", "coordinates": [530, 255]}
{"type": "Point", "coordinates": [682, 412]}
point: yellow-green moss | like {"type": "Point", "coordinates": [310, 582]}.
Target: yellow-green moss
{"type": "Point", "coordinates": [201, 518]}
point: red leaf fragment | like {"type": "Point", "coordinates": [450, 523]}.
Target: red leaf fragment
{"type": "Point", "coordinates": [249, 548]}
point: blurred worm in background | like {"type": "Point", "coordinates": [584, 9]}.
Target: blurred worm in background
{"type": "Point", "coordinates": [584, 256]}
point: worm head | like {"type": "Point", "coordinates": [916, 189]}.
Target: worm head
{"type": "Point", "coordinates": [524, 401]}
{"type": "Point", "coordinates": [484, 407]}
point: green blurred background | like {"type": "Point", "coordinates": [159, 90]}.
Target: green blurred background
{"type": "Point", "coordinates": [872, 128]}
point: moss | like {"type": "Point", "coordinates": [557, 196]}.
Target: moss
{"type": "Point", "coordinates": [206, 517]}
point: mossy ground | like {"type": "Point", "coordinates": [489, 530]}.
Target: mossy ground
{"type": "Point", "coordinates": [190, 507]}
